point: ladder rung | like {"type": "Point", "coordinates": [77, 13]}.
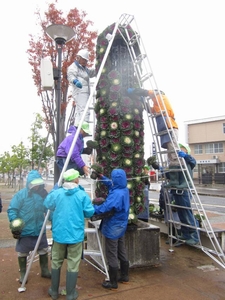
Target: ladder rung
{"type": "Point", "coordinates": [91, 230]}
{"type": "Point", "coordinates": [163, 132]}
{"type": "Point", "coordinates": [146, 76]}
{"type": "Point", "coordinates": [92, 252]}
{"type": "Point", "coordinates": [139, 58]}
{"type": "Point", "coordinates": [133, 40]}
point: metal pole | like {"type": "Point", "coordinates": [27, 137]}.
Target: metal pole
{"type": "Point", "coordinates": [58, 109]}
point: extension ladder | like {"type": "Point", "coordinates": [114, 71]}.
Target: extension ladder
{"type": "Point", "coordinates": [147, 80]}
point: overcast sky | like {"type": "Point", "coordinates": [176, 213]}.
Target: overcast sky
{"type": "Point", "coordinates": [184, 41]}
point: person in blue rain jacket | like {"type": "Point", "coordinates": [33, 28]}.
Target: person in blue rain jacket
{"type": "Point", "coordinates": [114, 227]}
{"type": "Point", "coordinates": [70, 205]}
{"type": "Point", "coordinates": [28, 205]}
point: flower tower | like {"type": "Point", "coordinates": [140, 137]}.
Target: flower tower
{"type": "Point", "coordinates": [119, 128]}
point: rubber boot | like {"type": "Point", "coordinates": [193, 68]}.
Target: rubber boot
{"type": "Point", "coordinates": [23, 266]}
{"type": "Point", "coordinates": [173, 177]}
{"type": "Point", "coordinates": [54, 289]}
{"type": "Point", "coordinates": [178, 234]}
{"type": "Point", "coordinates": [112, 283]}
{"type": "Point", "coordinates": [124, 269]}
{"type": "Point", "coordinates": [71, 281]}
{"type": "Point", "coordinates": [43, 260]}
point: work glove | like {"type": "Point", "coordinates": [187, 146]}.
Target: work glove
{"type": "Point", "coordinates": [87, 151]}
{"type": "Point", "coordinates": [98, 201]}
{"type": "Point", "coordinates": [155, 166]}
{"type": "Point", "coordinates": [182, 154]}
{"type": "Point", "coordinates": [92, 144]}
{"type": "Point", "coordinates": [77, 83]}
{"type": "Point", "coordinates": [130, 91]}
{"type": "Point", "coordinates": [16, 234]}
{"type": "Point", "coordinates": [97, 171]}
{"type": "Point", "coordinates": [137, 92]}
{"type": "Point", "coordinates": [94, 175]}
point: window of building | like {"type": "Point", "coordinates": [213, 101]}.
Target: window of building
{"type": "Point", "coordinates": [198, 149]}
{"type": "Point", "coordinates": [222, 167]}
{"type": "Point", "coordinates": [223, 127]}
{"type": "Point", "coordinates": [214, 148]}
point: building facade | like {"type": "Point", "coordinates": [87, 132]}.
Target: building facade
{"type": "Point", "coordinates": [206, 138]}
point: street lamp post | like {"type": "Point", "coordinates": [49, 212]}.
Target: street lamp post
{"type": "Point", "coordinates": [61, 34]}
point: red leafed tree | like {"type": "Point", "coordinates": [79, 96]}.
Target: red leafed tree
{"type": "Point", "coordinates": [42, 46]}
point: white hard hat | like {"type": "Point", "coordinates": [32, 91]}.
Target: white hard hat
{"type": "Point", "coordinates": [83, 53]}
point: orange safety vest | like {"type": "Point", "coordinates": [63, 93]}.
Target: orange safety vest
{"type": "Point", "coordinates": [158, 107]}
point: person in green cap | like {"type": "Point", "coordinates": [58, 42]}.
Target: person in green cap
{"type": "Point", "coordinates": [76, 162]}
{"type": "Point", "coordinates": [70, 205]}
{"type": "Point", "coordinates": [26, 214]}
{"type": "Point", "coordinates": [183, 197]}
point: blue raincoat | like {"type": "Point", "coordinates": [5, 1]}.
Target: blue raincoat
{"type": "Point", "coordinates": [70, 206]}
{"type": "Point", "coordinates": [28, 205]}
{"type": "Point", "coordinates": [118, 199]}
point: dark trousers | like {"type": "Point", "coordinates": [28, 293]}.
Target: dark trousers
{"type": "Point", "coordinates": [115, 250]}
{"type": "Point", "coordinates": [60, 161]}
{"type": "Point", "coordinates": [185, 215]}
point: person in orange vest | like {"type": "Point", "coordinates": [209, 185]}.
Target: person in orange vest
{"type": "Point", "coordinates": [166, 126]}
{"type": "Point", "coordinates": [162, 104]}
{"type": "Point", "coordinates": [165, 120]}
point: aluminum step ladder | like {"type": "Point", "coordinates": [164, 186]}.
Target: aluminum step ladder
{"type": "Point", "coordinates": [95, 251]}
{"type": "Point", "coordinates": [147, 81]}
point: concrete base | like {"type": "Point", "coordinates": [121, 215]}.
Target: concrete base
{"type": "Point", "coordinates": [142, 245]}
{"type": "Point", "coordinates": [205, 240]}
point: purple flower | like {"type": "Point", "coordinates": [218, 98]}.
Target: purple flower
{"type": "Point", "coordinates": [113, 111]}
{"type": "Point", "coordinates": [104, 142]}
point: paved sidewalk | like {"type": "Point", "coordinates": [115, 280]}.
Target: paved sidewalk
{"type": "Point", "coordinates": [183, 274]}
